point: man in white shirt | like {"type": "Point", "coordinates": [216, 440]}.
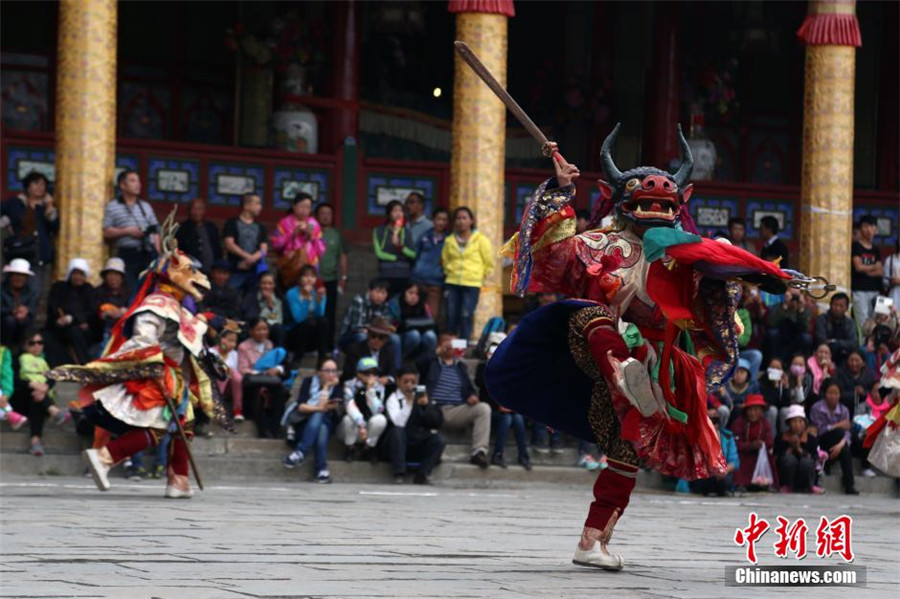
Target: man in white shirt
{"type": "Point", "coordinates": [416, 421]}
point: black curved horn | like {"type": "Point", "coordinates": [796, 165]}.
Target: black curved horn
{"type": "Point", "coordinates": [687, 161]}
{"type": "Point", "coordinates": [612, 171]}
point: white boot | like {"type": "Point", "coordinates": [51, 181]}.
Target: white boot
{"type": "Point", "coordinates": [598, 556]}
{"type": "Point", "coordinates": [100, 462]}
{"type": "Point", "coordinates": [179, 487]}
{"type": "Point", "coordinates": [634, 382]}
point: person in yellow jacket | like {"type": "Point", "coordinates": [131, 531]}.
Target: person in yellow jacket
{"type": "Point", "coordinates": [467, 258]}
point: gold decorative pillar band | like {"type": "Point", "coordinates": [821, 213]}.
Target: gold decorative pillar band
{"type": "Point", "coordinates": [826, 187]}
{"type": "Point", "coordinates": [85, 127]}
{"type": "Point", "coordinates": [479, 144]}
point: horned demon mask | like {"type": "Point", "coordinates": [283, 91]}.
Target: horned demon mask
{"type": "Point", "coordinates": [176, 267]}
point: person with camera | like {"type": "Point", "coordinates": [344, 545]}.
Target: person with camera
{"type": "Point", "coordinates": [416, 422]}
{"type": "Point", "coordinates": [130, 223]}
{"type": "Point", "coordinates": [33, 220]}
{"type": "Point", "coordinates": [789, 327]}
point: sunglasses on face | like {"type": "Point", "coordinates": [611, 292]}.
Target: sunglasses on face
{"type": "Point", "coordinates": [36, 342]}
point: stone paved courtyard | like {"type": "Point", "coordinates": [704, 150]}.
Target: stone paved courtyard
{"type": "Point", "coordinates": [63, 538]}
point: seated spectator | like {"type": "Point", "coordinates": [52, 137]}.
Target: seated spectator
{"type": "Point", "coordinates": [855, 380]}
{"type": "Point", "coordinates": [259, 363]}
{"type": "Point", "coordinates": [789, 325]}
{"type": "Point", "coordinates": [7, 388]}
{"type": "Point", "coordinates": [872, 409]}
{"type": "Point", "coordinates": [110, 300]}
{"type": "Point", "coordinates": [820, 366]}
{"type": "Point", "coordinates": [364, 421]}
{"type": "Point", "coordinates": [416, 421]}
{"type": "Point", "coordinates": [732, 395]}
{"type": "Point", "coordinates": [265, 304]}
{"type": "Point", "coordinates": [333, 266]}
{"type": "Point", "coordinates": [376, 345]}
{"type": "Point", "coordinates": [297, 240]}
{"type": "Point", "coordinates": [222, 299]}
{"type": "Point", "coordinates": [882, 323]}
{"type": "Point", "coordinates": [198, 237]}
{"type": "Point", "coordinates": [751, 432]}
{"type": "Point", "coordinates": [837, 329]}
{"type": "Point", "coordinates": [394, 249]}
{"type": "Point", "coordinates": [799, 386]}
{"type": "Point", "coordinates": [312, 417]}
{"type": "Point", "coordinates": [363, 310]}
{"type": "Point", "coordinates": [18, 301]}
{"type": "Point", "coordinates": [411, 316]}
{"type": "Point", "coordinates": [877, 348]}
{"type": "Point", "coordinates": [753, 356]}
{"type": "Point", "coordinates": [70, 315]}
{"type": "Point", "coordinates": [233, 386]}
{"type": "Point", "coordinates": [503, 418]}
{"type": "Point", "coordinates": [796, 450]}
{"type": "Point", "coordinates": [307, 329]}
{"type": "Point", "coordinates": [722, 484]}
{"type": "Point", "coordinates": [774, 385]}
{"type": "Point", "coordinates": [34, 394]}
{"type": "Point", "coordinates": [832, 421]}
{"type": "Point", "coordinates": [450, 387]}
{"type": "Point", "coordinates": [468, 259]}
{"type": "Point", "coordinates": [428, 271]}
{"type": "Point", "coordinates": [246, 244]}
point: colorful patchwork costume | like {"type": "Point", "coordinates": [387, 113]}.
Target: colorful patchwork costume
{"type": "Point", "coordinates": [155, 351]}
{"type": "Point", "coordinates": [630, 362]}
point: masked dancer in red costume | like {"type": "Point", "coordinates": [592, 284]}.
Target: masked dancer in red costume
{"type": "Point", "coordinates": [628, 364]}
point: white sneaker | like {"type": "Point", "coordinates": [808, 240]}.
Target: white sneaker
{"type": "Point", "coordinates": [99, 463]}
{"type": "Point", "coordinates": [178, 487]}
{"type": "Point", "coordinates": [635, 383]}
{"type": "Point", "coordinates": [598, 557]}
{"type": "Point", "coordinates": [869, 473]}
{"type": "Point", "coordinates": [173, 492]}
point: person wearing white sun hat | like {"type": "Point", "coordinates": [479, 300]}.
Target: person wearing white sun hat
{"type": "Point", "coordinates": [70, 315]}
{"type": "Point", "coordinates": [18, 301]}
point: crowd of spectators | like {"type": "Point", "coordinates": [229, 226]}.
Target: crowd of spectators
{"type": "Point", "coordinates": [390, 378]}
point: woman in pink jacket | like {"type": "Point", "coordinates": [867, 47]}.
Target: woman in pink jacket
{"type": "Point", "coordinates": [297, 232]}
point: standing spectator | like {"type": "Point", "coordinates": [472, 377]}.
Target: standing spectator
{"type": "Point", "coordinates": [419, 224]}
{"type": "Point", "coordinates": [232, 386]}
{"type": "Point", "coordinates": [790, 323]}
{"type": "Point", "coordinates": [70, 315]}
{"type": "Point", "coordinates": [377, 346]}
{"type": "Point", "coordinates": [837, 329]}
{"type": "Point", "coordinates": [773, 248]}
{"type": "Point", "coordinates": [33, 221]}
{"type": "Point", "coordinates": [361, 311]}
{"type": "Point", "coordinates": [721, 484]}
{"type": "Point", "coordinates": [265, 304]}
{"type": "Point", "coordinates": [821, 366]}
{"type": "Point", "coordinates": [18, 301]}
{"type": "Point", "coordinates": [33, 394]}
{"type": "Point", "coordinates": [414, 435]}
{"type": "Point", "coordinates": [867, 269]}
{"type": "Point", "coordinates": [307, 329]}
{"type": "Point", "coordinates": [7, 388]}
{"type": "Point", "coordinates": [411, 316]}
{"type": "Point", "coordinates": [222, 299]}
{"type": "Point", "coordinates": [110, 300]}
{"type": "Point", "coordinates": [333, 266]}
{"type": "Point", "coordinates": [297, 240]}
{"type": "Point", "coordinates": [468, 258]}
{"type": "Point", "coordinates": [737, 234]}
{"type": "Point", "coordinates": [317, 401]}
{"type": "Point", "coordinates": [450, 387]}
{"type": "Point", "coordinates": [751, 432]}
{"type": "Point", "coordinates": [394, 248]}
{"type": "Point", "coordinates": [832, 421]}
{"type": "Point", "coordinates": [428, 271]}
{"type": "Point", "coordinates": [364, 421]}
{"type": "Point", "coordinates": [130, 223]}
{"type": "Point", "coordinates": [261, 369]}
{"type": "Point", "coordinates": [245, 244]}
{"type": "Point", "coordinates": [891, 277]}
{"type": "Point", "coordinates": [855, 380]}
{"type": "Point", "coordinates": [199, 238]}
{"type": "Point", "coordinates": [796, 450]}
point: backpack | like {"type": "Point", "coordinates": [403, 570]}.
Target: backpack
{"type": "Point", "coordinates": [494, 325]}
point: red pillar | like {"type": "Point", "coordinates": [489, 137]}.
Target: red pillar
{"type": "Point", "coordinates": [662, 105]}
{"type": "Point", "coordinates": [346, 72]}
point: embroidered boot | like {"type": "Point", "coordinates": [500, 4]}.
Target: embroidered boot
{"type": "Point", "coordinates": [100, 462]}
{"type": "Point", "coordinates": [593, 549]}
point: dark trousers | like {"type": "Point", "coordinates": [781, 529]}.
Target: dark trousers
{"type": "Point", "coordinates": [830, 439]}
{"type": "Point", "coordinates": [331, 300]}
{"type": "Point", "coordinates": [427, 451]}
{"type": "Point", "coordinates": [713, 485]}
{"type": "Point", "coordinates": [797, 472]}
{"type": "Point", "coordinates": [36, 411]}
{"type": "Point", "coordinates": [12, 334]}
{"type": "Point", "coordinates": [309, 335]}
{"type": "Point", "coordinates": [502, 423]}
{"type": "Point", "coordinates": [264, 404]}
{"type": "Point", "coordinates": [67, 344]}
{"type": "Point", "coordinates": [136, 261]}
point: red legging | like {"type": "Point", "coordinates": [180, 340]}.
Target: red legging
{"type": "Point", "coordinates": [612, 490]}
{"type": "Point", "coordinates": [140, 439]}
